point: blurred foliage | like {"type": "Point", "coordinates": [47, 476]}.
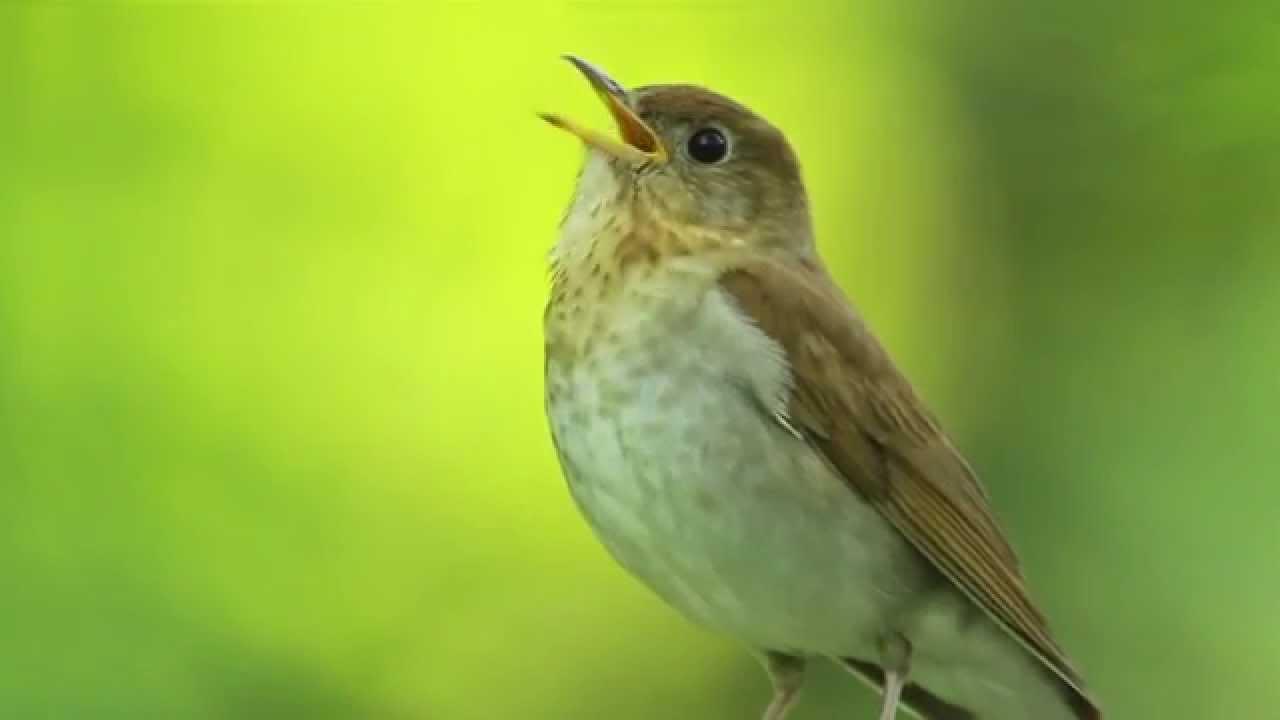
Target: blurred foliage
{"type": "Point", "coordinates": [271, 276]}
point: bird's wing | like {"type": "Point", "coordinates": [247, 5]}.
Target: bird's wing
{"type": "Point", "coordinates": [857, 409]}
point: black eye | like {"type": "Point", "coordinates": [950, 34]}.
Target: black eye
{"type": "Point", "coordinates": [708, 145]}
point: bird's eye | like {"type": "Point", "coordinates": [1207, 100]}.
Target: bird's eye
{"type": "Point", "coordinates": [708, 145]}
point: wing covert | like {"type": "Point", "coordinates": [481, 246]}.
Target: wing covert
{"type": "Point", "coordinates": [857, 409]}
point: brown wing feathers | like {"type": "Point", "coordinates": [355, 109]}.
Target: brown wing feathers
{"type": "Point", "coordinates": [861, 413]}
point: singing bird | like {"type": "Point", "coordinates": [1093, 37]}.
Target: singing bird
{"type": "Point", "coordinates": [740, 442]}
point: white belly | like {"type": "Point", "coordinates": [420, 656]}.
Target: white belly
{"type": "Point", "coordinates": [702, 495]}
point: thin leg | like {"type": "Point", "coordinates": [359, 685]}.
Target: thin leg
{"type": "Point", "coordinates": [895, 658]}
{"type": "Point", "coordinates": [787, 674]}
{"type": "Point", "coordinates": [893, 682]}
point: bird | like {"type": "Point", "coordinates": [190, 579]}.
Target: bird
{"type": "Point", "coordinates": [739, 441]}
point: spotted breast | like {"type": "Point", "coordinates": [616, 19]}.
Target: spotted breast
{"type": "Point", "coordinates": [654, 384]}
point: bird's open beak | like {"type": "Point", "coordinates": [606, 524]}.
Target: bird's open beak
{"type": "Point", "coordinates": [640, 145]}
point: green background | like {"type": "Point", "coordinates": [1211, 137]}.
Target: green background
{"type": "Point", "coordinates": [271, 281]}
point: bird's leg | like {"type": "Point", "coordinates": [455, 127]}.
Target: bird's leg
{"type": "Point", "coordinates": [895, 657]}
{"type": "Point", "coordinates": [787, 674]}
{"type": "Point", "coordinates": [893, 682]}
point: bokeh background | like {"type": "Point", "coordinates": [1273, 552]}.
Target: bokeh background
{"type": "Point", "coordinates": [271, 282]}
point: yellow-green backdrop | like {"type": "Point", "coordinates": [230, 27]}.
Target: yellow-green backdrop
{"type": "Point", "coordinates": [271, 281]}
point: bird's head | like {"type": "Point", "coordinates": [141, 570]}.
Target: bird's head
{"type": "Point", "coordinates": [695, 160]}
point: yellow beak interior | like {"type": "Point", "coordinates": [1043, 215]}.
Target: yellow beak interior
{"type": "Point", "coordinates": [639, 144]}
